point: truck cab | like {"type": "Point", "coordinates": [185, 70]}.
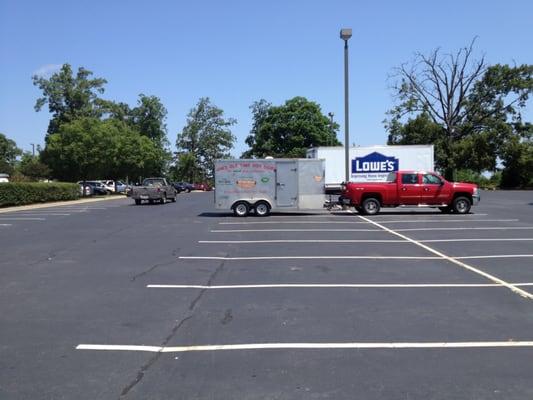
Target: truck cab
{"type": "Point", "coordinates": [411, 189]}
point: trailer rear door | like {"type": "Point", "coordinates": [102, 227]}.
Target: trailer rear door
{"type": "Point", "coordinates": [286, 183]}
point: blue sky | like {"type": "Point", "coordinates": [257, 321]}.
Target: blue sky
{"type": "Point", "coordinates": [237, 52]}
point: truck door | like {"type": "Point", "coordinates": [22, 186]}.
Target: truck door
{"type": "Point", "coordinates": [409, 189]}
{"type": "Point", "coordinates": [433, 190]}
{"type": "Point", "coordinates": [286, 183]}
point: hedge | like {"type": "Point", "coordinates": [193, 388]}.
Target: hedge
{"type": "Point", "coordinates": [20, 193]}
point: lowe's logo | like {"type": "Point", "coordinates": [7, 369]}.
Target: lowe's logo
{"type": "Point", "coordinates": [374, 162]}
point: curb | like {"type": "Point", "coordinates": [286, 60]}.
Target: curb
{"type": "Point", "coordinates": [59, 203]}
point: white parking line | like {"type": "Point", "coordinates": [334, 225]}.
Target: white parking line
{"type": "Point", "coordinates": [478, 228]}
{"type": "Point", "coordinates": [313, 257]}
{"type": "Point", "coordinates": [476, 240]}
{"type": "Point", "coordinates": [301, 241]}
{"type": "Point", "coordinates": [295, 346]}
{"type": "Point", "coordinates": [339, 286]}
{"type": "Point", "coordinates": [6, 224]}
{"type": "Point", "coordinates": [364, 222]}
{"type": "Point", "coordinates": [495, 256]}
{"type": "Point", "coordinates": [21, 219]}
{"type": "Point", "coordinates": [493, 278]}
{"type": "Point", "coordinates": [37, 214]}
{"type": "Point", "coordinates": [291, 230]}
{"type": "Point", "coordinates": [291, 222]}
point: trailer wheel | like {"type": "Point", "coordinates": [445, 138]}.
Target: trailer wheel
{"type": "Point", "coordinates": [371, 206]}
{"type": "Point", "coordinates": [262, 209]}
{"type": "Point", "coordinates": [461, 205]}
{"type": "Point", "coordinates": [138, 202]}
{"type": "Point", "coordinates": [241, 209]}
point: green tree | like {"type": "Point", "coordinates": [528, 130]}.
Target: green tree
{"type": "Point", "coordinates": [32, 167]}
{"type": "Point", "coordinates": [186, 169]}
{"type": "Point", "coordinates": [90, 148]}
{"type": "Point", "coordinates": [69, 96]}
{"type": "Point", "coordinates": [517, 158]}
{"type": "Point", "coordinates": [471, 102]}
{"type": "Point", "coordinates": [8, 154]}
{"type": "Point", "coordinates": [206, 137]}
{"type": "Point", "coordinates": [290, 129]}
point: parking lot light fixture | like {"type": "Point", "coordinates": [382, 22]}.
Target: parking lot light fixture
{"type": "Point", "coordinates": [345, 34]}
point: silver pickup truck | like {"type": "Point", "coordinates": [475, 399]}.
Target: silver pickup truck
{"type": "Point", "coordinates": [152, 190]}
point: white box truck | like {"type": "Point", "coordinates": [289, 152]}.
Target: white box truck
{"type": "Point", "coordinates": [371, 163]}
{"type": "Point", "coordinates": [262, 186]}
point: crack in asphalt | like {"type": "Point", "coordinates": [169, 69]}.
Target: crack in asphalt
{"type": "Point", "coordinates": [145, 367]}
{"type": "Point", "coordinates": [153, 267]}
{"type": "Point", "coordinates": [153, 359]}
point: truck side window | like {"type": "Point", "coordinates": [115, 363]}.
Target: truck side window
{"type": "Point", "coordinates": [409, 179]}
{"type": "Point", "coordinates": [431, 179]}
{"type": "Point", "coordinates": [391, 177]}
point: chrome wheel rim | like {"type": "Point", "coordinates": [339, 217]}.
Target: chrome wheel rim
{"type": "Point", "coordinates": [240, 209]}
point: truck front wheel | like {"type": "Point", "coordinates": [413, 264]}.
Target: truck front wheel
{"type": "Point", "coordinates": [371, 206]}
{"type": "Point", "coordinates": [241, 209]}
{"type": "Point", "coordinates": [461, 205]}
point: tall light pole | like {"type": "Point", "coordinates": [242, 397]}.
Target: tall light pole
{"type": "Point", "coordinates": [346, 33]}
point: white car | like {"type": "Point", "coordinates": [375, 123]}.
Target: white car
{"type": "Point", "coordinates": [110, 186]}
{"type": "Point", "coordinates": [4, 178]}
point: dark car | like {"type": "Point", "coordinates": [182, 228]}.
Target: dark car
{"type": "Point", "coordinates": [182, 187]}
{"type": "Point", "coordinates": [90, 188]}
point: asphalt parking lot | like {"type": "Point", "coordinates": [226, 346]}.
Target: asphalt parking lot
{"type": "Point", "coordinates": [179, 301]}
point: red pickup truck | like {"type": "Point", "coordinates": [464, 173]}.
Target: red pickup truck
{"type": "Point", "coordinates": [410, 188]}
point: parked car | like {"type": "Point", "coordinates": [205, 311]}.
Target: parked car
{"type": "Point", "coordinates": [89, 188]}
{"type": "Point", "coordinates": [110, 186]}
{"type": "Point", "coordinates": [182, 187]}
{"type": "Point", "coordinates": [153, 189]}
{"type": "Point", "coordinates": [4, 178]}
{"type": "Point", "coordinates": [411, 188]}
{"type": "Point", "coordinates": [201, 186]}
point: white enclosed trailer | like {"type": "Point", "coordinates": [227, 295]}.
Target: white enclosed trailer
{"type": "Point", "coordinates": [372, 163]}
{"type": "Point", "coordinates": [269, 185]}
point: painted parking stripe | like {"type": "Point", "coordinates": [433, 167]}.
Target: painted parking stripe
{"type": "Point", "coordinates": [493, 278]}
{"type": "Point", "coordinates": [301, 241]}
{"type": "Point", "coordinates": [495, 256]}
{"type": "Point", "coordinates": [364, 222]}
{"type": "Point", "coordinates": [477, 228]}
{"type": "Point", "coordinates": [21, 219]}
{"type": "Point", "coordinates": [313, 257]}
{"type": "Point", "coordinates": [291, 230]}
{"type": "Point", "coordinates": [338, 286]}
{"type": "Point", "coordinates": [476, 240]}
{"type": "Point", "coordinates": [23, 214]}
{"type": "Point", "coordinates": [302, 346]}
{"type": "Point", "coordinates": [6, 224]}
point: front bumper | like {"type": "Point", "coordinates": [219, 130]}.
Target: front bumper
{"type": "Point", "coordinates": [476, 198]}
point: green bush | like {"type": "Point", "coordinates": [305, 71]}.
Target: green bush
{"type": "Point", "coordinates": [20, 193]}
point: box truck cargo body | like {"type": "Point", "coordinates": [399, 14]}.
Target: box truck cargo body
{"type": "Point", "coordinates": [372, 163]}
{"type": "Point", "coordinates": [262, 186]}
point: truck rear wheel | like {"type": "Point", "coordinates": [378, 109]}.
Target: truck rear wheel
{"type": "Point", "coordinates": [241, 209]}
{"type": "Point", "coordinates": [262, 209]}
{"type": "Point", "coordinates": [461, 205]}
{"type": "Point", "coordinates": [371, 206]}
